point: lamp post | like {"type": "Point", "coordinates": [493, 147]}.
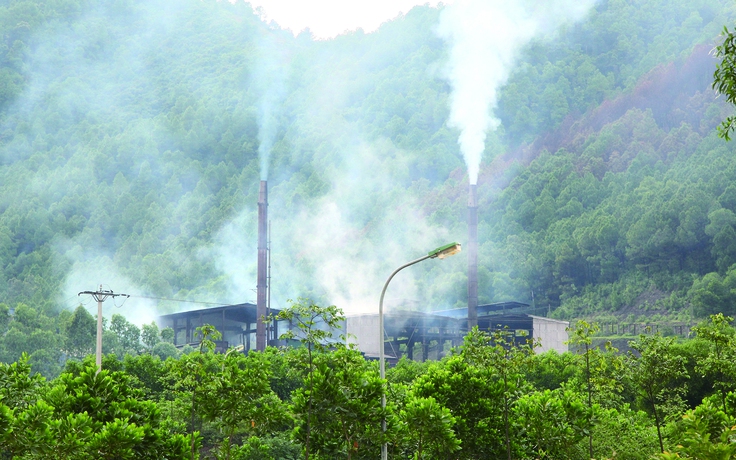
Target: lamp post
{"type": "Point", "coordinates": [441, 253]}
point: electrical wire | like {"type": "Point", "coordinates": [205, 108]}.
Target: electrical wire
{"type": "Point", "coordinates": [126, 297]}
{"type": "Point", "coordinates": [219, 304]}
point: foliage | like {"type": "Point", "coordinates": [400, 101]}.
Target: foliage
{"type": "Point", "coordinates": [474, 403]}
{"type": "Point", "coordinates": [698, 440]}
{"type": "Point", "coordinates": [601, 377]}
{"type": "Point", "coordinates": [654, 370]}
{"type": "Point", "coordinates": [427, 429]}
{"type": "Point", "coordinates": [150, 335]}
{"type": "Point", "coordinates": [342, 404]}
{"type": "Point", "coordinates": [551, 424]}
{"type": "Point", "coordinates": [506, 358]}
{"type": "Point", "coordinates": [624, 433]}
{"type": "Point", "coordinates": [92, 415]}
{"type": "Point", "coordinates": [239, 401]}
{"type": "Point", "coordinates": [719, 362]}
{"type": "Point", "coordinates": [313, 326]}
{"type": "Point", "coordinates": [81, 333]}
{"type": "Point", "coordinates": [473, 394]}
{"type": "Point", "coordinates": [724, 78]}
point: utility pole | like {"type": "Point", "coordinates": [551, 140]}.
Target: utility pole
{"type": "Point", "coordinates": [100, 296]}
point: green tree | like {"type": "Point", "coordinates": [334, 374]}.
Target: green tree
{"type": "Point", "coordinates": [125, 335]}
{"type": "Point", "coordinates": [474, 396]}
{"type": "Point", "coordinates": [427, 428]}
{"type": "Point", "coordinates": [698, 440]}
{"type": "Point", "coordinates": [19, 389]}
{"type": "Point", "coordinates": [724, 78]}
{"type": "Point", "coordinates": [167, 335]}
{"type": "Point", "coordinates": [551, 424]}
{"type": "Point", "coordinates": [150, 335]}
{"type": "Point", "coordinates": [91, 415]}
{"type": "Point", "coordinates": [600, 370]}
{"type": "Point", "coordinates": [313, 327]}
{"type": "Point", "coordinates": [654, 369]}
{"type": "Point", "coordinates": [500, 353]}
{"type": "Point", "coordinates": [345, 400]}
{"type": "Point", "coordinates": [165, 350]}
{"type": "Point", "coordinates": [81, 334]}
{"type": "Point", "coordinates": [721, 359]}
{"type": "Point", "coordinates": [189, 376]}
{"type": "Point", "coordinates": [239, 400]}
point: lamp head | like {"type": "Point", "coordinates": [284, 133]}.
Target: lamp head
{"type": "Point", "coordinates": [446, 251]}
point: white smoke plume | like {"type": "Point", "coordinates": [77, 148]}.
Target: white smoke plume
{"type": "Point", "coordinates": [92, 271]}
{"type": "Point", "coordinates": [270, 81]}
{"type": "Point", "coordinates": [485, 38]}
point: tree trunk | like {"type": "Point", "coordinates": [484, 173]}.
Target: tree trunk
{"type": "Point", "coordinates": [309, 404]}
{"type": "Point", "coordinates": [590, 401]}
{"type": "Point", "coordinates": [656, 419]}
{"type": "Point", "coordinates": [506, 414]}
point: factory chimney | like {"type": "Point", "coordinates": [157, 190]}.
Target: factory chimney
{"type": "Point", "coordinates": [472, 257]}
{"type": "Point", "coordinates": [261, 307]}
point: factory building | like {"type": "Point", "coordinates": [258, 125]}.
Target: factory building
{"type": "Point", "coordinates": [416, 335]}
{"type": "Point", "coordinates": [237, 323]}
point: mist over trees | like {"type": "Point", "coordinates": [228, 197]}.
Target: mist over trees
{"type": "Point", "coordinates": [131, 146]}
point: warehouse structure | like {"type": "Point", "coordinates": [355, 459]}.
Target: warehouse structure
{"type": "Point", "coordinates": [237, 323]}
{"type": "Point", "coordinates": [416, 335]}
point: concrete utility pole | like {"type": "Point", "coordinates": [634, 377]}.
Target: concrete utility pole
{"type": "Point", "coordinates": [100, 296]}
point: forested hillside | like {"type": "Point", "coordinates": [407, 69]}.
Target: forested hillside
{"type": "Point", "coordinates": [130, 134]}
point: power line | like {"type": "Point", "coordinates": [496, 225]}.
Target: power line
{"type": "Point", "coordinates": [219, 304]}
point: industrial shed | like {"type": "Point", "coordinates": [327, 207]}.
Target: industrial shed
{"type": "Point", "coordinates": [407, 333]}
{"type": "Point", "coordinates": [237, 323]}
{"type": "Point", "coordinates": [416, 335]}
{"type": "Point", "coordinates": [552, 333]}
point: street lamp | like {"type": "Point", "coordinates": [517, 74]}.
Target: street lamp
{"type": "Point", "coordinates": [439, 253]}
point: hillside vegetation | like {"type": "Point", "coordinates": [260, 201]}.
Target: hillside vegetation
{"type": "Point", "coordinates": [129, 155]}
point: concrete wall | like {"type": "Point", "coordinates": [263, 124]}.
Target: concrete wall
{"type": "Point", "coordinates": [552, 334]}
{"type": "Point", "coordinates": [363, 330]}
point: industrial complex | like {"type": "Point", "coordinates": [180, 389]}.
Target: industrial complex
{"type": "Point", "coordinates": [418, 335]}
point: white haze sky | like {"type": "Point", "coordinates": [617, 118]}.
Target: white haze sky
{"type": "Point", "coordinates": [329, 18]}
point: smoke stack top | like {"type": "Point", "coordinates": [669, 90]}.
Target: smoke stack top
{"type": "Point", "coordinates": [485, 38]}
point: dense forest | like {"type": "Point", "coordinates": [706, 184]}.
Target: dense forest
{"type": "Point", "coordinates": [134, 135]}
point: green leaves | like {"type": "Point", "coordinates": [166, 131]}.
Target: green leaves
{"type": "Point", "coordinates": [342, 405]}
{"type": "Point", "coordinates": [721, 359]}
{"type": "Point", "coordinates": [724, 78]}
{"type": "Point", "coordinates": [427, 428]}
{"type": "Point", "coordinates": [550, 424]}
{"type": "Point", "coordinates": [80, 334]}
{"type": "Point", "coordinates": [311, 324]}
{"type": "Point", "coordinates": [655, 371]}
{"type": "Point", "coordinates": [89, 416]}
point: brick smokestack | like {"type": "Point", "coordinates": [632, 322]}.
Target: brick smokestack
{"type": "Point", "coordinates": [472, 257]}
{"type": "Point", "coordinates": [261, 307]}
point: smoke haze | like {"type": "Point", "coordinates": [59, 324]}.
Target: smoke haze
{"type": "Point", "coordinates": [270, 81]}
{"type": "Point", "coordinates": [485, 37]}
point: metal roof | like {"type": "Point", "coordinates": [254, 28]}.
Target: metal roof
{"type": "Point", "coordinates": [242, 313]}
{"type": "Point", "coordinates": [483, 310]}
